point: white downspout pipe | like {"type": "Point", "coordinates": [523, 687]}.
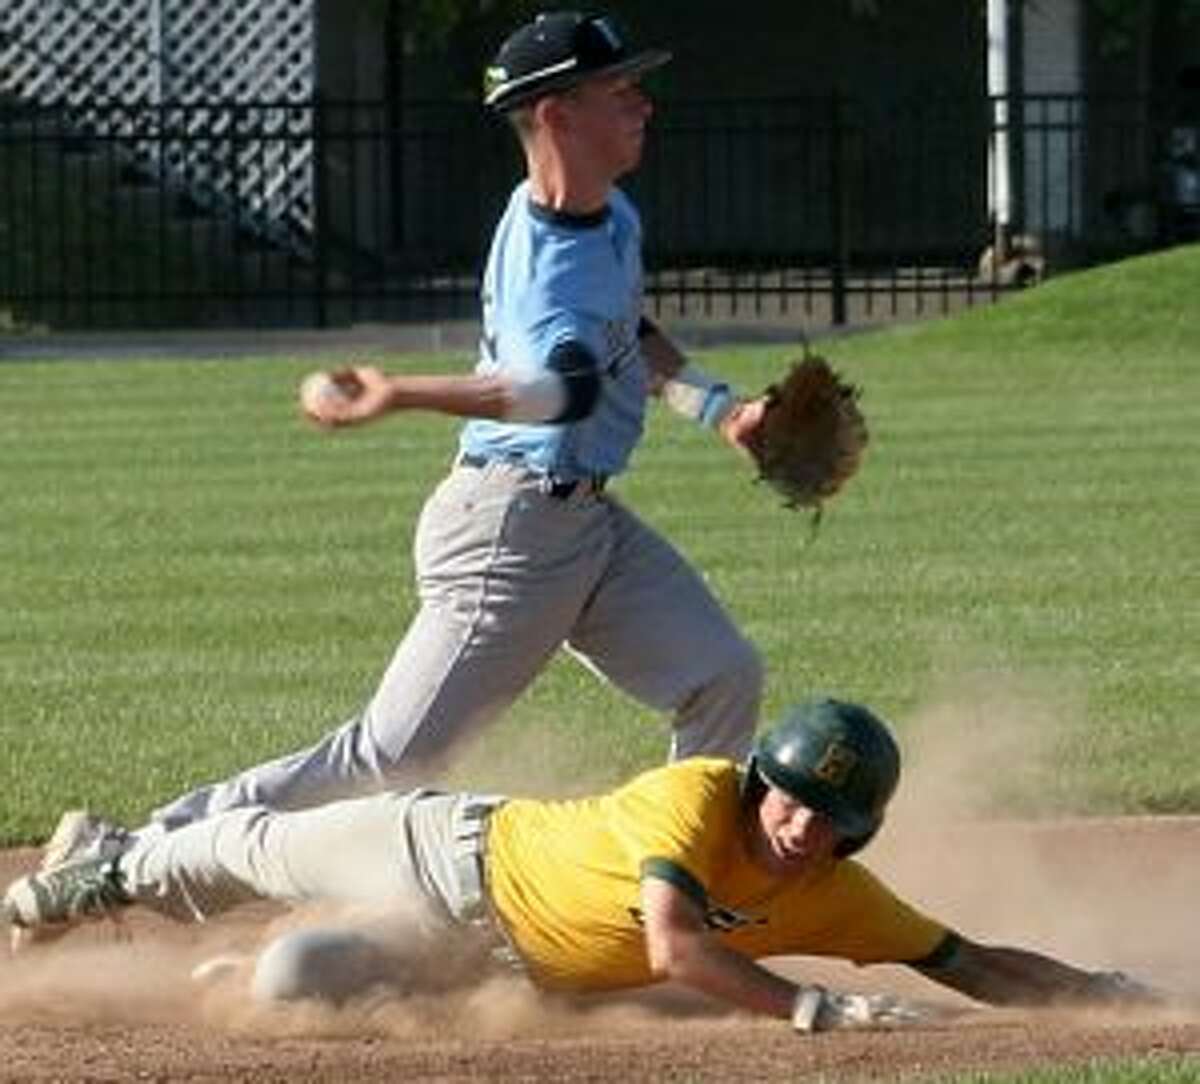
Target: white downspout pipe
{"type": "Point", "coordinates": [999, 152]}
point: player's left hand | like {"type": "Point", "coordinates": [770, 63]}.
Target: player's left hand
{"type": "Point", "coordinates": [742, 427]}
{"type": "Point", "coordinates": [1115, 989]}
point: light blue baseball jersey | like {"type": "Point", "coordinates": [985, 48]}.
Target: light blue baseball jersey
{"type": "Point", "coordinates": [552, 279]}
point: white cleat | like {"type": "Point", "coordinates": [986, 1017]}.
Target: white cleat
{"type": "Point", "coordinates": [81, 834]}
{"type": "Point", "coordinates": [44, 905]}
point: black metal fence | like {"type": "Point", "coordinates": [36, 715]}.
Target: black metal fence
{"type": "Point", "coordinates": [822, 210]}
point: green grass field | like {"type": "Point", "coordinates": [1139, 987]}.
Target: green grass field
{"type": "Point", "coordinates": [1176, 1069]}
{"type": "Point", "coordinates": [194, 579]}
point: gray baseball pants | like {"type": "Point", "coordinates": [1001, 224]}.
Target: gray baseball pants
{"type": "Point", "coordinates": [508, 574]}
{"type": "Point", "coordinates": [417, 853]}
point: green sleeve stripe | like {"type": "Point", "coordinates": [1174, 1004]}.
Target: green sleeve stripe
{"type": "Point", "coordinates": [941, 955]}
{"type": "Point", "coordinates": [666, 870]}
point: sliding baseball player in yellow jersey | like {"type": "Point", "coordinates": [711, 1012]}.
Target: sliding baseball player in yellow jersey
{"type": "Point", "coordinates": [690, 872]}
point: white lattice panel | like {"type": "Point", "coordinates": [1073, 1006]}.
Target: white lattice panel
{"type": "Point", "coordinates": [224, 89]}
{"type": "Point", "coordinates": [56, 52]}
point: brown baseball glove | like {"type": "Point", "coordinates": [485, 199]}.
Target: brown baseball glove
{"type": "Point", "coordinates": [812, 436]}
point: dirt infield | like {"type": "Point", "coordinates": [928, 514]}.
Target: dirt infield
{"type": "Point", "coordinates": [1117, 893]}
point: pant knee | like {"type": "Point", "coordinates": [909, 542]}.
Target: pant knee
{"type": "Point", "coordinates": [719, 718]}
{"type": "Point", "coordinates": [740, 679]}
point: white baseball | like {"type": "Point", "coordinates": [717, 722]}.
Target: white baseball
{"type": "Point", "coordinates": [318, 388]}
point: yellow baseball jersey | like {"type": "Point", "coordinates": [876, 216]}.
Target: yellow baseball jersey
{"type": "Point", "coordinates": [565, 881]}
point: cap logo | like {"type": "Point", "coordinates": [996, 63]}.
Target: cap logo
{"type": "Point", "coordinates": [836, 764]}
{"type": "Point", "coordinates": [493, 77]}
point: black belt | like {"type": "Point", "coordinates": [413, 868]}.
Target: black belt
{"type": "Point", "coordinates": [557, 488]}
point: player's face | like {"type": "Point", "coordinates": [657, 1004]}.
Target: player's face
{"type": "Point", "coordinates": [608, 116]}
{"type": "Point", "coordinates": [792, 839]}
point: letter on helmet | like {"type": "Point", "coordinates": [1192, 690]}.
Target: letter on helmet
{"type": "Point", "coordinates": [837, 758]}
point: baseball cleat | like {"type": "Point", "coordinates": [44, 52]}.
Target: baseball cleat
{"type": "Point", "coordinates": [81, 835]}
{"type": "Point", "coordinates": [50, 901]}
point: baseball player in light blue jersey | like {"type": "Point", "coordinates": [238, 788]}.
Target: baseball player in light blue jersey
{"type": "Point", "coordinates": [521, 550]}
{"type": "Point", "coordinates": [562, 298]}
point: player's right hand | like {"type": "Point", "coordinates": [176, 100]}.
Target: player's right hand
{"type": "Point", "coordinates": [348, 396]}
{"type": "Point", "coordinates": [818, 1009]}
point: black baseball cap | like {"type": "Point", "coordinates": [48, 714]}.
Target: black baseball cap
{"type": "Point", "coordinates": [556, 51]}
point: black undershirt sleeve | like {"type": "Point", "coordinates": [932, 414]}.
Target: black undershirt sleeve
{"type": "Point", "coordinates": [942, 952]}
{"type": "Point", "coordinates": [580, 373]}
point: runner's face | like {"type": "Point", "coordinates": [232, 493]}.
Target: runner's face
{"type": "Point", "coordinates": [792, 838]}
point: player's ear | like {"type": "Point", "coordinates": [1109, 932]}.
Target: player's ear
{"type": "Point", "coordinates": [551, 112]}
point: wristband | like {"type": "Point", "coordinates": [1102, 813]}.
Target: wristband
{"type": "Point", "coordinates": [807, 1007]}
{"type": "Point", "coordinates": [696, 395]}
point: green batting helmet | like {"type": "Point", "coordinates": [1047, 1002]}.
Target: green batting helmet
{"type": "Point", "coordinates": [837, 758]}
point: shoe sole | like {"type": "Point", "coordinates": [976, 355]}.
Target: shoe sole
{"type": "Point", "coordinates": [76, 830]}
{"type": "Point", "coordinates": [21, 937]}
{"type": "Point", "coordinates": [73, 832]}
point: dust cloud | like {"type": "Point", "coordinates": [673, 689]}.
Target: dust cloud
{"type": "Point", "coordinates": [958, 844]}
{"type": "Point", "coordinates": [969, 840]}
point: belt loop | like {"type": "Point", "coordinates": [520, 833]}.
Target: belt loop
{"type": "Point", "coordinates": [469, 830]}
